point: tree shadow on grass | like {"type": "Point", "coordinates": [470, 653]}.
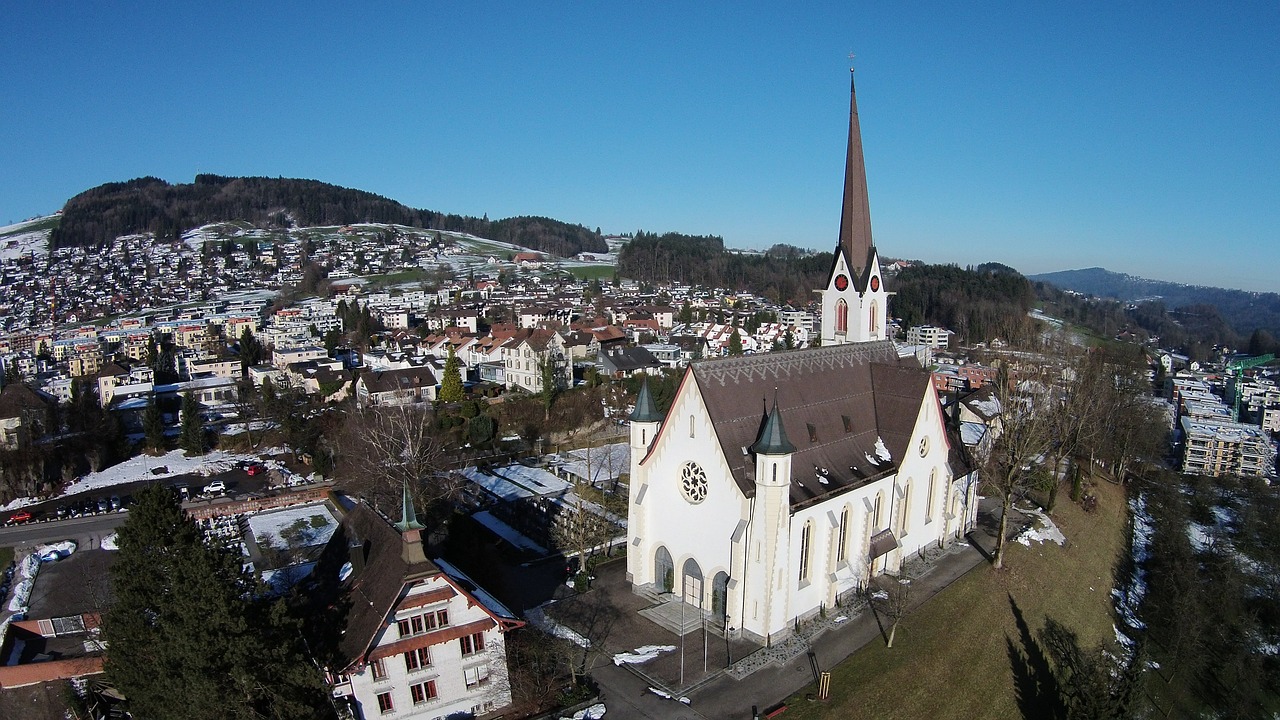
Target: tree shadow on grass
{"type": "Point", "coordinates": [1035, 685]}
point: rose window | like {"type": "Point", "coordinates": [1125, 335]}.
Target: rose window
{"type": "Point", "coordinates": [693, 483]}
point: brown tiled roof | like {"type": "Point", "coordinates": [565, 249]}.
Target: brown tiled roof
{"type": "Point", "coordinates": [379, 381]}
{"type": "Point", "coordinates": [374, 590]}
{"type": "Point", "coordinates": [17, 399]}
{"type": "Point", "coordinates": [835, 402]}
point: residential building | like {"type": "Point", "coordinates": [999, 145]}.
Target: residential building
{"type": "Point", "coordinates": [420, 639]}
{"type": "Point", "coordinates": [1226, 448]}
{"type": "Point", "coordinates": [935, 337]}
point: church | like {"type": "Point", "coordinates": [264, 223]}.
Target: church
{"type": "Point", "coordinates": [777, 485]}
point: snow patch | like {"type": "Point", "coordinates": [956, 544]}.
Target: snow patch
{"type": "Point", "coordinates": [54, 551]}
{"type": "Point", "coordinates": [595, 712]}
{"type": "Point", "coordinates": [641, 654]}
{"type": "Point", "coordinates": [1042, 530]}
{"type": "Point", "coordinates": [546, 624]}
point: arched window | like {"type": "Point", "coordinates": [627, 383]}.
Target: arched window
{"type": "Point", "coordinates": [842, 317]}
{"type": "Point", "coordinates": [928, 501]}
{"type": "Point", "coordinates": [906, 507]}
{"type": "Point", "coordinates": [842, 542]}
{"type": "Point", "coordinates": [690, 426]}
{"type": "Point", "coordinates": [875, 514]}
{"type": "Point", "coordinates": [805, 536]}
{"type": "Point", "coordinates": [872, 325]}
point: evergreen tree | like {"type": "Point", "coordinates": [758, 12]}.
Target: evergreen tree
{"type": "Point", "coordinates": [192, 438]}
{"type": "Point", "coordinates": [451, 384]}
{"type": "Point", "coordinates": [686, 313]}
{"type": "Point", "coordinates": [189, 638]}
{"type": "Point", "coordinates": [250, 351]}
{"type": "Point", "coordinates": [735, 343]}
{"type": "Point", "coordinates": [153, 427]}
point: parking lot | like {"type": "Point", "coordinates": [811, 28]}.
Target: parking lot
{"type": "Point", "coordinates": [249, 478]}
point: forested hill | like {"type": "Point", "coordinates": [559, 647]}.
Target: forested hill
{"type": "Point", "coordinates": [1244, 311]}
{"type": "Point", "coordinates": [784, 274]}
{"type": "Point", "coordinates": [978, 304]}
{"type": "Point", "coordinates": [150, 204]}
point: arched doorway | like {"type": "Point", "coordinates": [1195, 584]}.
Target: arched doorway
{"type": "Point", "coordinates": [664, 570]}
{"type": "Point", "coordinates": [720, 596]}
{"type": "Point", "coordinates": [691, 583]}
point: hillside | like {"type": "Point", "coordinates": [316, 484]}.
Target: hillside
{"type": "Point", "coordinates": [1244, 311]}
{"type": "Point", "coordinates": [101, 214]}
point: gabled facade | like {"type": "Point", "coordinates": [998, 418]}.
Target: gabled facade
{"type": "Point", "coordinates": [524, 356]}
{"type": "Point", "coordinates": [420, 641]}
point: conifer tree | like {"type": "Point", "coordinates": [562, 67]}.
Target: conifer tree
{"type": "Point", "coordinates": [451, 383]}
{"type": "Point", "coordinates": [192, 426]}
{"type": "Point", "coordinates": [153, 427]}
{"type": "Point", "coordinates": [188, 637]}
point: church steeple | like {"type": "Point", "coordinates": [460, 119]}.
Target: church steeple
{"type": "Point", "coordinates": [773, 436]}
{"type": "Point", "coordinates": [855, 215]}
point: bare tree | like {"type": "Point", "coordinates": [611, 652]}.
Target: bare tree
{"type": "Point", "coordinates": [579, 529]}
{"type": "Point", "coordinates": [385, 448]}
{"type": "Point", "coordinates": [1028, 432]}
{"type": "Point", "coordinates": [891, 597]}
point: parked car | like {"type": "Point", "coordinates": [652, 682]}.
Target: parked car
{"type": "Point", "coordinates": [217, 487]}
{"type": "Point", "coordinates": [20, 517]}
{"type": "Point", "coordinates": [104, 505]}
{"type": "Point", "coordinates": [115, 502]}
{"type": "Point", "coordinates": [256, 469]}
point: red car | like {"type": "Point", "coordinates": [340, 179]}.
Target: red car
{"type": "Point", "coordinates": [256, 469]}
{"type": "Point", "coordinates": [20, 517]}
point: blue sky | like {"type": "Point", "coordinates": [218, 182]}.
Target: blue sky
{"type": "Point", "coordinates": [1144, 138]}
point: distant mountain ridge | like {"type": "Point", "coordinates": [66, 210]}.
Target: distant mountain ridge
{"type": "Point", "coordinates": [1245, 311]}
{"type": "Point", "coordinates": [149, 204]}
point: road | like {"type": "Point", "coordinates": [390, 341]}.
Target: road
{"type": "Point", "coordinates": [87, 532]}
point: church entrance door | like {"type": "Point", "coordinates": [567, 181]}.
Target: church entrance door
{"type": "Point", "coordinates": [693, 590]}
{"type": "Point", "coordinates": [691, 584]}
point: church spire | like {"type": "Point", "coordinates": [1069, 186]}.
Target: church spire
{"type": "Point", "coordinates": [855, 215]}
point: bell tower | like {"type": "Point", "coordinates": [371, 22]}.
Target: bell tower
{"type": "Point", "coordinates": [854, 302]}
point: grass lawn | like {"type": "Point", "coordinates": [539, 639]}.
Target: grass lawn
{"type": "Point", "coordinates": [953, 657]}
{"type": "Point", "coordinates": [592, 272]}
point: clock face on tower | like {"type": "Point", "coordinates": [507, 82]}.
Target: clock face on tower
{"type": "Point", "coordinates": [875, 283]}
{"type": "Point", "coordinates": [842, 282]}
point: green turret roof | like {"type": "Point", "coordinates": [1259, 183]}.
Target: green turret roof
{"type": "Point", "coordinates": [773, 438]}
{"type": "Point", "coordinates": [408, 516]}
{"type": "Point", "coordinates": [646, 410]}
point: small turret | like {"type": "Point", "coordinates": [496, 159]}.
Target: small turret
{"type": "Point", "coordinates": [410, 530]}
{"type": "Point", "coordinates": [646, 410]}
{"type": "Point", "coordinates": [773, 437]}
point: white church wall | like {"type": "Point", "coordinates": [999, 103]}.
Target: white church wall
{"type": "Point", "coordinates": [700, 531]}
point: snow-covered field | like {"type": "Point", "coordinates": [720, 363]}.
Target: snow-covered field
{"type": "Point", "coordinates": [17, 240]}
